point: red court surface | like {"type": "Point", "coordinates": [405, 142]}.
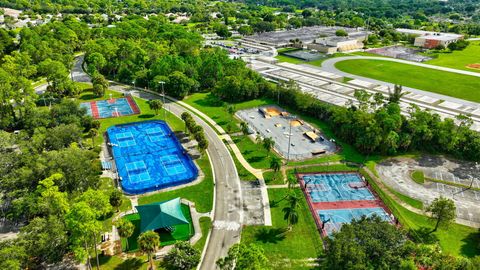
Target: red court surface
{"type": "Point", "coordinates": [349, 204]}
{"type": "Point", "coordinates": [95, 112]}
{"type": "Point", "coordinates": [133, 105]}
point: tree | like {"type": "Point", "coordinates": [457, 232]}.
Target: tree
{"type": "Point", "coordinates": [442, 211]}
{"type": "Point", "coordinates": [341, 33]}
{"type": "Point", "coordinates": [182, 257]}
{"type": "Point", "coordinates": [291, 182]}
{"type": "Point", "coordinates": [116, 199]}
{"type": "Point", "coordinates": [244, 257]}
{"type": "Point", "coordinates": [268, 144]}
{"type": "Point", "coordinates": [12, 255]}
{"type": "Point", "coordinates": [275, 164]}
{"type": "Point", "coordinates": [45, 239]}
{"type": "Point", "coordinates": [92, 133]}
{"type": "Point", "coordinates": [148, 242]}
{"type": "Point", "coordinates": [244, 128]}
{"type": "Point", "coordinates": [396, 95]}
{"type": "Point", "coordinates": [290, 211]}
{"type": "Point", "coordinates": [222, 30]}
{"type": "Point", "coordinates": [245, 30]}
{"type": "Point", "coordinates": [366, 243]}
{"type": "Point", "coordinates": [125, 229]}
{"type": "Point", "coordinates": [83, 226]}
{"type": "Point", "coordinates": [100, 84]}
{"type": "Point", "coordinates": [155, 105]}
{"type": "Point", "coordinates": [179, 85]}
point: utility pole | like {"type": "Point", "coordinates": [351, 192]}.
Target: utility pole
{"type": "Point", "coordinates": [289, 138]}
{"type": "Point", "coordinates": [164, 105]}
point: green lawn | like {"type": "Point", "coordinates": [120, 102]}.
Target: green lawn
{"type": "Point", "coordinates": [273, 178]}
{"type": "Point", "coordinates": [456, 239]}
{"type": "Point", "coordinates": [459, 59]}
{"type": "Point", "coordinates": [254, 153]}
{"type": "Point", "coordinates": [288, 59]}
{"type": "Point", "coordinates": [201, 194]}
{"type": "Point", "coordinates": [181, 232]}
{"type": "Point", "coordinates": [106, 185]}
{"type": "Point", "coordinates": [418, 177]}
{"type": "Point", "coordinates": [205, 224]}
{"type": "Point", "coordinates": [215, 108]}
{"type": "Point", "coordinates": [286, 250]}
{"type": "Point", "coordinates": [441, 82]}
{"type": "Point", "coordinates": [117, 263]}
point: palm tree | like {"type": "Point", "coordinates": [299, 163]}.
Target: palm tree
{"type": "Point", "coordinates": [396, 95]}
{"type": "Point", "coordinates": [268, 144]}
{"type": "Point", "coordinates": [291, 181]}
{"type": "Point", "coordinates": [125, 229]}
{"type": "Point", "coordinates": [275, 165]}
{"type": "Point", "coordinates": [155, 105]}
{"type": "Point", "coordinates": [92, 133]}
{"type": "Point", "coordinates": [244, 128]}
{"type": "Point", "coordinates": [148, 242]}
{"type": "Point", "coordinates": [290, 211]}
{"type": "Point", "coordinates": [258, 139]}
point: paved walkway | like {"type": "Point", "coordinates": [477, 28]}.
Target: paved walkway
{"type": "Point", "coordinates": [227, 192]}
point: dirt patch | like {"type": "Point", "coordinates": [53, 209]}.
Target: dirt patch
{"type": "Point", "coordinates": [473, 66]}
{"type": "Point", "coordinates": [272, 111]}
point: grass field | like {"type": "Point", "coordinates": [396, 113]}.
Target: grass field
{"type": "Point", "coordinates": [205, 224]}
{"type": "Point", "coordinates": [201, 194]}
{"type": "Point", "coordinates": [459, 59]}
{"type": "Point", "coordinates": [441, 82]}
{"type": "Point", "coordinates": [254, 153]}
{"type": "Point", "coordinates": [286, 250]}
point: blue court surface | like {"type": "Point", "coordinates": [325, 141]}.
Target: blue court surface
{"type": "Point", "coordinates": [149, 157]}
{"type": "Point", "coordinates": [335, 218]}
{"type": "Point", "coordinates": [109, 108]}
{"type": "Point", "coordinates": [334, 187]}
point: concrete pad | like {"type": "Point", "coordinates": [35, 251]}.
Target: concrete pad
{"type": "Point", "coordinates": [363, 84]}
{"type": "Point", "coordinates": [450, 105]}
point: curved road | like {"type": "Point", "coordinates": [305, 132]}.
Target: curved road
{"type": "Point", "coordinates": [228, 211]}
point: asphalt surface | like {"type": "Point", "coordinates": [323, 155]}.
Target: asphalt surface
{"type": "Point", "coordinates": [228, 211]}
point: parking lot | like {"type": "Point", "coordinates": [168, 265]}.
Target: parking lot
{"type": "Point", "coordinates": [287, 131]}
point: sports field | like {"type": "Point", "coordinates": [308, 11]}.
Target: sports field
{"type": "Point", "coordinates": [436, 81]}
{"type": "Point", "coordinates": [459, 59]}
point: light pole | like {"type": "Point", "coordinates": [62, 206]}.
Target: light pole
{"type": "Point", "coordinates": [164, 106]}
{"type": "Point", "coordinates": [289, 137]}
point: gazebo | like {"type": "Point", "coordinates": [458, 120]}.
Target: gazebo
{"type": "Point", "coordinates": [160, 215]}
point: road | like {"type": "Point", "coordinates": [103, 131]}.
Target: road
{"type": "Point", "coordinates": [228, 211]}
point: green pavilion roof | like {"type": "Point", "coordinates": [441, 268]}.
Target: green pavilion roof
{"type": "Point", "coordinates": [161, 215]}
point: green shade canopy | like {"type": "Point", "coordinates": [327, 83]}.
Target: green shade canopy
{"type": "Point", "coordinates": [160, 215]}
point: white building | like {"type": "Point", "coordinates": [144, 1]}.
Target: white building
{"type": "Point", "coordinates": [429, 39]}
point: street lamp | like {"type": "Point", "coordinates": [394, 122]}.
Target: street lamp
{"type": "Point", "coordinates": [164, 108]}
{"type": "Point", "coordinates": [290, 136]}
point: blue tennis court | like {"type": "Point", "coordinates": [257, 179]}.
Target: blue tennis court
{"type": "Point", "coordinates": [335, 218]}
{"type": "Point", "coordinates": [334, 187]}
{"type": "Point", "coordinates": [111, 107]}
{"type": "Point", "coordinates": [149, 157]}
